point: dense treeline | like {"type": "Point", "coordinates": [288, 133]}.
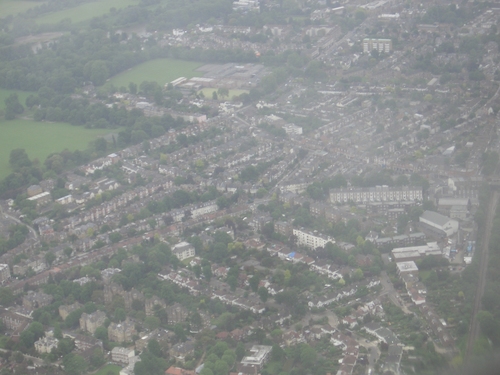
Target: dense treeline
{"type": "Point", "coordinates": [91, 56]}
{"type": "Point", "coordinates": [17, 235]}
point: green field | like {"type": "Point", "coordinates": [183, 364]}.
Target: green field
{"type": "Point", "coordinates": [13, 7]}
{"type": "Point", "coordinates": [161, 71]}
{"type": "Point", "coordinates": [104, 371]}
{"type": "Point", "coordinates": [22, 95]}
{"type": "Point", "coordinates": [40, 139]}
{"type": "Point", "coordinates": [85, 12]}
{"type": "Point", "coordinates": [208, 92]}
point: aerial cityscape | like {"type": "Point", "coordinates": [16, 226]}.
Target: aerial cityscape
{"type": "Point", "coordinates": [273, 187]}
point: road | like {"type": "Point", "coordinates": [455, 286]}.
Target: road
{"type": "Point", "coordinates": [388, 289]}
{"type": "Point", "coordinates": [483, 266]}
{"type": "Point", "coordinates": [13, 218]}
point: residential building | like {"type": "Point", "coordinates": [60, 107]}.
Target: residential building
{"type": "Point", "coordinates": [122, 355]}
{"type": "Point", "coordinates": [183, 250]}
{"type": "Point", "coordinates": [182, 350]}
{"type": "Point", "coordinates": [176, 313]}
{"type": "Point", "coordinates": [65, 310]}
{"type": "Point", "coordinates": [161, 335]}
{"type": "Point", "coordinates": [90, 322]}
{"type": "Point", "coordinates": [310, 239]}
{"type": "Point", "coordinates": [46, 344]}
{"type": "Point", "coordinates": [4, 273]}
{"type": "Point", "coordinates": [122, 332]}
{"type": "Point", "coordinates": [259, 357]}
{"type": "Point", "coordinates": [172, 370]}
{"type": "Point", "coordinates": [407, 267]}
{"type": "Point", "coordinates": [382, 193]}
{"type": "Point", "coordinates": [13, 321]}
{"type": "Point", "coordinates": [380, 45]}
{"type": "Point", "coordinates": [153, 303]}
{"type": "Point", "coordinates": [34, 300]}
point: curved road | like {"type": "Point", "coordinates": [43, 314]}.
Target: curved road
{"type": "Point", "coordinates": [31, 229]}
{"type": "Point", "coordinates": [483, 266]}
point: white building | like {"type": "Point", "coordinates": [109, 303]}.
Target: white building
{"type": "Point", "coordinates": [311, 240]}
{"type": "Point", "coordinates": [403, 254]}
{"type": "Point", "coordinates": [292, 129]}
{"type": "Point", "coordinates": [440, 223]}
{"type": "Point", "coordinates": [380, 45]}
{"type": "Point", "coordinates": [382, 193]}
{"type": "Point", "coordinates": [122, 355]}
{"type": "Point", "coordinates": [183, 250]}
{"type": "Point", "coordinates": [46, 344]}
{"type": "Point", "coordinates": [4, 273]}
{"type": "Point", "coordinates": [406, 267]}
{"type": "Point", "coordinates": [260, 355]}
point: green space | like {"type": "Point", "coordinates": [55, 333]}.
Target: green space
{"type": "Point", "coordinates": [109, 368]}
{"type": "Point", "coordinates": [161, 71]}
{"type": "Point", "coordinates": [22, 95]}
{"type": "Point", "coordinates": [208, 92]}
{"type": "Point", "coordinates": [13, 7]}
{"type": "Point", "coordinates": [40, 139]}
{"type": "Point", "coordinates": [85, 11]}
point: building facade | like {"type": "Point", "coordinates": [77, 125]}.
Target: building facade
{"type": "Point", "coordinates": [311, 240]}
{"type": "Point", "coordinates": [380, 45]}
{"type": "Point", "coordinates": [183, 250]}
{"type": "Point", "coordinates": [382, 193]}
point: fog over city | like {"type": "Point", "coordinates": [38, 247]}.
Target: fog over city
{"type": "Point", "coordinates": [249, 187]}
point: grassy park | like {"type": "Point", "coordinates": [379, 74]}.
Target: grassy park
{"type": "Point", "coordinates": [208, 92]}
{"type": "Point", "coordinates": [40, 139]}
{"type": "Point", "coordinates": [109, 368]}
{"type": "Point", "coordinates": [85, 12]}
{"type": "Point", "coordinates": [161, 71]}
{"type": "Point", "coordinates": [13, 7]}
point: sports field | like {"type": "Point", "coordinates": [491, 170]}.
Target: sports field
{"type": "Point", "coordinates": [161, 71]}
{"type": "Point", "coordinates": [85, 12]}
{"type": "Point", "coordinates": [208, 92]}
{"type": "Point", "coordinates": [109, 368]}
{"type": "Point", "coordinates": [40, 139]}
{"type": "Point", "coordinates": [13, 7]}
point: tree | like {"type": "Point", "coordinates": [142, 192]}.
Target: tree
{"type": "Point", "coordinates": [307, 356]}
{"type": "Point", "coordinates": [221, 368]}
{"type": "Point", "coordinates": [152, 322]}
{"type": "Point", "coordinates": [115, 237]}
{"type": "Point", "coordinates": [254, 283]}
{"type": "Point", "coordinates": [97, 358]}
{"type": "Point", "coordinates": [74, 364]}
{"type": "Point", "coordinates": [223, 92]}
{"type": "Point", "coordinates": [357, 274]}
{"type": "Point", "coordinates": [6, 296]}
{"type": "Point", "coordinates": [215, 96]}
{"type": "Point", "coordinates": [155, 348]}
{"type": "Point", "coordinates": [13, 107]}
{"type": "Point", "coordinates": [240, 351]}
{"type": "Point", "coordinates": [68, 251]}
{"type": "Point", "coordinates": [263, 294]}
{"type": "Point", "coordinates": [150, 364]}
{"type": "Point", "coordinates": [50, 257]}
{"type": "Point", "coordinates": [132, 88]}
{"type": "Point", "coordinates": [101, 333]}
{"type": "Point", "coordinates": [207, 272]}
{"type": "Point", "coordinates": [19, 158]}
{"type": "Point", "coordinates": [101, 145]}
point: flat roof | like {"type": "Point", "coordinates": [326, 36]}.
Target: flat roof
{"type": "Point", "coordinates": [409, 266]}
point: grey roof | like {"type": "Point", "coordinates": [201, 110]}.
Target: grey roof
{"type": "Point", "coordinates": [436, 218]}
